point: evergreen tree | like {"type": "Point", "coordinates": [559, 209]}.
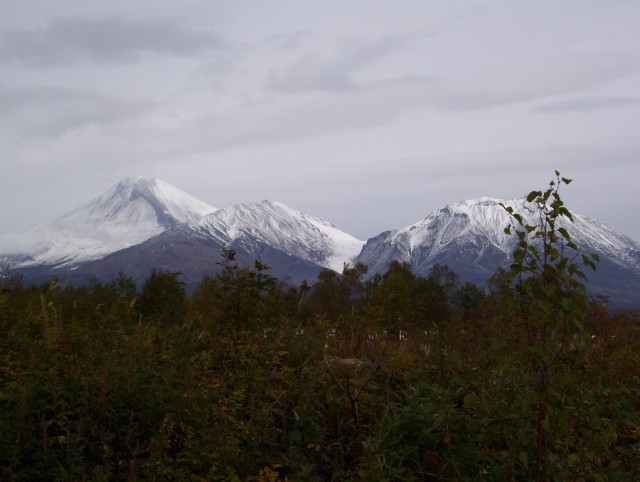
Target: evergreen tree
{"type": "Point", "coordinates": [162, 298]}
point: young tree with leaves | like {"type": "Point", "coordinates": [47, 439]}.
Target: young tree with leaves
{"type": "Point", "coordinates": [548, 294]}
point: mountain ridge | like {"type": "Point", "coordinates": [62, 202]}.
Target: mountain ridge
{"type": "Point", "coordinates": [469, 237]}
{"type": "Point", "coordinates": [288, 229]}
{"type": "Point", "coordinates": [128, 213]}
{"type": "Point", "coordinates": [162, 226]}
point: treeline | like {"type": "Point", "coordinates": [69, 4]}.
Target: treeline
{"type": "Point", "coordinates": [396, 377]}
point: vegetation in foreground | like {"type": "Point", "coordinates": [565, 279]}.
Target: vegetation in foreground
{"type": "Point", "coordinates": [396, 378]}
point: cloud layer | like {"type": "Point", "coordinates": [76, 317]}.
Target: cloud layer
{"type": "Point", "coordinates": [109, 39]}
{"type": "Point", "coordinates": [366, 104]}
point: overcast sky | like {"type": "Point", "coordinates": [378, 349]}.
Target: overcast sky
{"type": "Point", "coordinates": [368, 114]}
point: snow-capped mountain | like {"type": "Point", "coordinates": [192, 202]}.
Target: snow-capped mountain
{"type": "Point", "coordinates": [294, 245]}
{"type": "Point", "coordinates": [473, 229]}
{"type": "Point", "coordinates": [469, 237]}
{"type": "Point", "coordinates": [256, 225]}
{"type": "Point", "coordinates": [143, 223]}
{"type": "Point", "coordinates": [130, 212]}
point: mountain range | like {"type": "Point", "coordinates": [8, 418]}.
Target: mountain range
{"type": "Point", "coordinates": [141, 223]}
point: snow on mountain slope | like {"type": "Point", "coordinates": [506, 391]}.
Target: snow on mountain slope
{"type": "Point", "coordinates": [470, 236]}
{"type": "Point", "coordinates": [595, 236]}
{"type": "Point", "coordinates": [130, 212]}
{"type": "Point", "coordinates": [283, 228]}
{"type": "Point", "coordinates": [148, 222]}
{"type": "Point", "coordinates": [483, 218]}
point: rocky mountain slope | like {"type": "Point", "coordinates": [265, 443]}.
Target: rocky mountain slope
{"type": "Point", "coordinates": [469, 237]}
{"type": "Point", "coordinates": [143, 223]}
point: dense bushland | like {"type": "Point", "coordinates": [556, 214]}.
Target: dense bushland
{"type": "Point", "coordinates": [394, 378]}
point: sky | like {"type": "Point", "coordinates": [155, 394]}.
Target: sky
{"type": "Point", "coordinates": [367, 114]}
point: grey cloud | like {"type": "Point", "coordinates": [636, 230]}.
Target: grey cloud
{"type": "Point", "coordinates": [313, 73]}
{"type": "Point", "coordinates": [283, 118]}
{"type": "Point", "coordinates": [591, 103]}
{"type": "Point", "coordinates": [535, 78]}
{"type": "Point", "coordinates": [291, 40]}
{"type": "Point", "coordinates": [110, 39]}
{"type": "Point", "coordinates": [308, 74]}
{"type": "Point", "coordinates": [299, 116]}
{"type": "Point", "coordinates": [328, 101]}
{"type": "Point", "coordinates": [353, 105]}
{"type": "Point", "coordinates": [50, 111]}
